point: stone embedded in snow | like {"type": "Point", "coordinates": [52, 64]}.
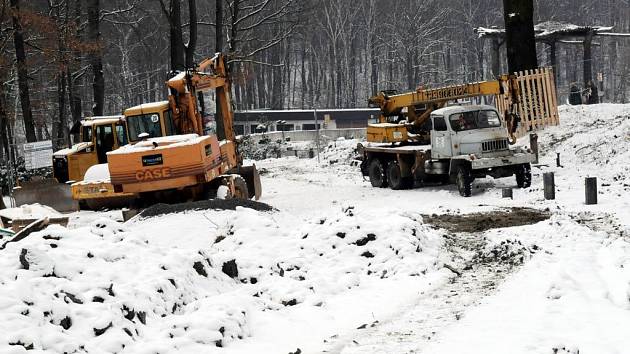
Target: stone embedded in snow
{"type": "Point", "coordinates": [66, 323]}
{"type": "Point", "coordinates": [200, 269]}
{"type": "Point", "coordinates": [101, 331]}
{"type": "Point", "coordinates": [230, 268]}
{"type": "Point", "coordinates": [364, 241]}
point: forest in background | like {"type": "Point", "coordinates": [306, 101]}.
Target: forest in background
{"type": "Point", "coordinates": [283, 53]}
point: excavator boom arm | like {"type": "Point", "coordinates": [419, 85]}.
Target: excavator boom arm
{"type": "Point", "coordinates": [211, 74]}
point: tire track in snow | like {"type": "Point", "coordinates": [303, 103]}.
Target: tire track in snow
{"type": "Point", "coordinates": [420, 322]}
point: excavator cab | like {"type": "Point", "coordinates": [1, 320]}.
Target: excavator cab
{"type": "Point", "coordinates": [149, 120]}
{"type": "Point", "coordinates": [97, 136]}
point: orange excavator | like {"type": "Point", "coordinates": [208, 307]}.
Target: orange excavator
{"type": "Point", "coordinates": [170, 158]}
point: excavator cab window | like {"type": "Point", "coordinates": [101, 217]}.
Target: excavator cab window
{"type": "Point", "coordinates": [144, 123]}
{"type": "Point", "coordinates": [104, 142]}
{"type": "Point", "coordinates": [86, 134]}
{"type": "Point", "coordinates": [169, 125]}
{"type": "Point", "coordinates": [121, 134]}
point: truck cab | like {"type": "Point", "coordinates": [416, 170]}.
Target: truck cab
{"type": "Point", "coordinates": [468, 130]}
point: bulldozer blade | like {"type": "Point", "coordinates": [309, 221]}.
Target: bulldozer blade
{"type": "Point", "coordinates": [46, 192]}
{"type": "Point", "coordinates": [252, 178]}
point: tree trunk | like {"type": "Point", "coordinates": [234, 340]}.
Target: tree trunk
{"type": "Point", "coordinates": [96, 56]}
{"type": "Point", "coordinates": [59, 125]}
{"type": "Point", "coordinates": [4, 136]}
{"type": "Point", "coordinates": [192, 41]}
{"type": "Point", "coordinates": [496, 57]}
{"type": "Point", "coordinates": [218, 37]}
{"type": "Point", "coordinates": [276, 82]}
{"type": "Point", "coordinates": [519, 35]}
{"type": "Point", "coordinates": [218, 117]}
{"type": "Point", "coordinates": [587, 64]}
{"type": "Point", "coordinates": [177, 48]}
{"type": "Point", "coordinates": [22, 69]}
{"type": "Point", "coordinates": [552, 59]}
{"type": "Point", "coordinates": [303, 74]}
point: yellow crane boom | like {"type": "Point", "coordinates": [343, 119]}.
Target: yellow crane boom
{"type": "Point", "coordinates": [414, 108]}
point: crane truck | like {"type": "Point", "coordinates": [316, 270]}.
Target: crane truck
{"type": "Point", "coordinates": [169, 158]}
{"type": "Point", "coordinates": [420, 139]}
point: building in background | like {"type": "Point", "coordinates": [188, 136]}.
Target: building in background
{"type": "Point", "coordinates": [257, 121]}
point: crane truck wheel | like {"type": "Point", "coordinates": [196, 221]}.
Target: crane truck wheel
{"type": "Point", "coordinates": [464, 181]}
{"type": "Point", "coordinates": [377, 174]}
{"type": "Point", "coordinates": [524, 176]}
{"type": "Point", "coordinates": [394, 178]}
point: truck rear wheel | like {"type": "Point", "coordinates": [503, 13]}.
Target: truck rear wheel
{"type": "Point", "coordinates": [464, 181]}
{"type": "Point", "coordinates": [377, 174]}
{"type": "Point", "coordinates": [524, 176]}
{"type": "Point", "coordinates": [394, 178]}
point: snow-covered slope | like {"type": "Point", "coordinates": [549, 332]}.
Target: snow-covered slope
{"type": "Point", "coordinates": [160, 284]}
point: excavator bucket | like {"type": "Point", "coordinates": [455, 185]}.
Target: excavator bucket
{"type": "Point", "coordinates": [252, 178]}
{"type": "Point", "coordinates": [46, 192]}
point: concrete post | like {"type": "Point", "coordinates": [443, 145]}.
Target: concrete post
{"type": "Point", "coordinates": [550, 186]}
{"type": "Point", "coordinates": [533, 144]}
{"type": "Point", "coordinates": [590, 190]}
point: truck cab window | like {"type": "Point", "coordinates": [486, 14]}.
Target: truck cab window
{"type": "Point", "coordinates": [439, 124]}
{"type": "Point", "coordinates": [474, 120]}
{"type": "Point", "coordinates": [488, 119]}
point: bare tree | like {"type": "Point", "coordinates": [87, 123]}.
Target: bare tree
{"type": "Point", "coordinates": [22, 70]}
{"type": "Point", "coordinates": [95, 56]}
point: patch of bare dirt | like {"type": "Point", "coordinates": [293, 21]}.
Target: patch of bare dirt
{"type": "Point", "coordinates": [479, 222]}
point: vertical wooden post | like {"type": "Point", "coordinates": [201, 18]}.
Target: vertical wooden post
{"type": "Point", "coordinates": [533, 144]}
{"type": "Point", "coordinates": [530, 102]}
{"type": "Point", "coordinates": [590, 190]}
{"type": "Point", "coordinates": [550, 186]}
{"type": "Point", "coordinates": [558, 160]}
{"type": "Point", "coordinates": [554, 99]}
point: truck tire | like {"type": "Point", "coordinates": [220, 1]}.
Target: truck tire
{"type": "Point", "coordinates": [378, 177]}
{"type": "Point", "coordinates": [394, 178]}
{"type": "Point", "coordinates": [523, 176]}
{"type": "Point", "coordinates": [464, 181]}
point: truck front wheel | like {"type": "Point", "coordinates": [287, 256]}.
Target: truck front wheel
{"type": "Point", "coordinates": [377, 174]}
{"type": "Point", "coordinates": [524, 176]}
{"type": "Point", "coordinates": [464, 181]}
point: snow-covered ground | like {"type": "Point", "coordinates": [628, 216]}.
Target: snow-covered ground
{"type": "Point", "coordinates": [342, 267]}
